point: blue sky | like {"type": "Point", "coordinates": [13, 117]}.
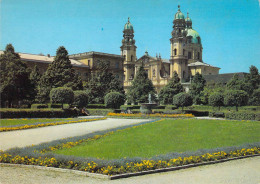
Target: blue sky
{"type": "Point", "coordinates": [229, 29]}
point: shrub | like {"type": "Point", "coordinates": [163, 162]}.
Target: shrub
{"type": "Point", "coordinates": [235, 98]}
{"type": "Point", "coordinates": [39, 106]}
{"type": "Point", "coordinates": [96, 106]}
{"type": "Point", "coordinates": [124, 107]}
{"type": "Point", "coordinates": [62, 95]}
{"type": "Point", "coordinates": [100, 112]}
{"type": "Point", "coordinates": [243, 116]}
{"type": "Point", "coordinates": [216, 100]}
{"type": "Point", "coordinates": [114, 100]}
{"type": "Point", "coordinates": [170, 107]}
{"type": "Point", "coordinates": [80, 99]}
{"type": "Point", "coordinates": [255, 98]}
{"type": "Point", "coordinates": [182, 100]}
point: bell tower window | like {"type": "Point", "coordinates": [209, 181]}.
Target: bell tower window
{"type": "Point", "coordinates": [189, 55]}
{"type": "Point", "coordinates": [184, 52]}
{"type": "Point", "coordinates": [198, 55]}
{"type": "Point", "coordinates": [175, 52]}
{"type": "Point", "coordinates": [132, 57]}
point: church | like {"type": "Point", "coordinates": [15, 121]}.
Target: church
{"type": "Point", "coordinates": [185, 58]}
{"type": "Point", "coordinates": [185, 55]}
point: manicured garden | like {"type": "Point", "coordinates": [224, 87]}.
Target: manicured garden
{"type": "Point", "coordinates": [163, 143]}
{"type": "Point", "coordinates": [168, 136]}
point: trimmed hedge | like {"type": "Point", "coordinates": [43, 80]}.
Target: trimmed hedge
{"type": "Point", "coordinates": [170, 107]}
{"type": "Point", "coordinates": [39, 106]}
{"type": "Point", "coordinates": [96, 106]}
{"type": "Point", "coordinates": [101, 112]}
{"type": "Point", "coordinates": [242, 116]}
{"type": "Point", "coordinates": [124, 107]}
{"type": "Point", "coordinates": [34, 113]}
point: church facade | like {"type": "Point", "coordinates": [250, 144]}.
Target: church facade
{"type": "Point", "coordinates": [185, 55]}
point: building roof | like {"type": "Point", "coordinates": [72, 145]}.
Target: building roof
{"type": "Point", "coordinates": [91, 53]}
{"type": "Point", "coordinates": [222, 78]}
{"type": "Point", "coordinates": [195, 36]}
{"type": "Point", "coordinates": [198, 63]}
{"type": "Point", "coordinates": [45, 59]}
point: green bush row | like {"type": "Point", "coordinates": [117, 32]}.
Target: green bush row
{"type": "Point", "coordinates": [96, 106]}
{"type": "Point", "coordinates": [242, 116]}
{"type": "Point", "coordinates": [37, 113]}
{"type": "Point", "coordinates": [45, 106]}
{"type": "Point", "coordinates": [100, 112]}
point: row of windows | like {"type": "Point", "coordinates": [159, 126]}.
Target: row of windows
{"type": "Point", "coordinates": [189, 54]}
{"type": "Point", "coordinates": [132, 58]}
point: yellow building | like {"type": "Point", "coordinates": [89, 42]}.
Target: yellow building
{"type": "Point", "coordinates": [185, 55]}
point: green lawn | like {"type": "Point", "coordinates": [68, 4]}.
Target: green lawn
{"type": "Point", "coordinates": [169, 136]}
{"type": "Point", "coordinates": [8, 122]}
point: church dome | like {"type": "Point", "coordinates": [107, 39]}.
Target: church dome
{"type": "Point", "coordinates": [195, 37]}
{"type": "Point", "coordinates": [179, 14]}
{"type": "Point", "coordinates": [188, 19]}
{"type": "Point", "coordinates": [128, 25]}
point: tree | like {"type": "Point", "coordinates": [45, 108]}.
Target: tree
{"type": "Point", "coordinates": [35, 78]}
{"type": "Point", "coordinates": [235, 98]}
{"type": "Point", "coordinates": [216, 100]}
{"type": "Point", "coordinates": [211, 89]}
{"type": "Point", "coordinates": [197, 86]}
{"type": "Point", "coordinates": [80, 99]}
{"type": "Point", "coordinates": [253, 78]}
{"type": "Point", "coordinates": [15, 82]}
{"type": "Point", "coordinates": [59, 74]}
{"type": "Point", "coordinates": [182, 100]}
{"type": "Point", "coordinates": [101, 83]}
{"type": "Point", "coordinates": [62, 95]}
{"type": "Point", "coordinates": [172, 88]}
{"type": "Point", "coordinates": [236, 83]}
{"type": "Point", "coordinates": [140, 88]}
{"type": "Point", "coordinates": [255, 98]}
{"type": "Point", "coordinates": [114, 100]}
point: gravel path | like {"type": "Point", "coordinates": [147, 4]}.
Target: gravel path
{"type": "Point", "coordinates": [244, 171]}
{"type": "Point", "coordinates": [22, 138]}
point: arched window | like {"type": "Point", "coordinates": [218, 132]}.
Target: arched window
{"type": "Point", "coordinates": [198, 55]}
{"type": "Point", "coordinates": [184, 52]}
{"type": "Point", "coordinates": [183, 74]}
{"type": "Point", "coordinates": [132, 57]}
{"type": "Point", "coordinates": [175, 52]}
{"type": "Point", "coordinates": [124, 57]}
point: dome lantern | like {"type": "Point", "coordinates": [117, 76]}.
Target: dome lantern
{"type": "Point", "coordinates": [188, 21]}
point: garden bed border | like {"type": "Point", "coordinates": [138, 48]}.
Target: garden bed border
{"type": "Point", "coordinates": [126, 175]}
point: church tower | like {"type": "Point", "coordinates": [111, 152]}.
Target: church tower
{"type": "Point", "coordinates": [128, 50]}
{"type": "Point", "coordinates": [178, 60]}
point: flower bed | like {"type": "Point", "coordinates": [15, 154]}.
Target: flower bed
{"type": "Point", "coordinates": [156, 115]}
{"type": "Point", "coordinates": [4, 129]}
{"type": "Point", "coordinates": [128, 167]}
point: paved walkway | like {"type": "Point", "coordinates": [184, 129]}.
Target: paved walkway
{"type": "Point", "coordinates": [244, 171]}
{"type": "Point", "coordinates": [22, 138]}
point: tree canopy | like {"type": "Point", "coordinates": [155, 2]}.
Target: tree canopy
{"type": "Point", "coordinates": [15, 82]}
{"type": "Point", "coordinates": [140, 88]}
{"type": "Point", "coordinates": [59, 74]}
{"type": "Point", "coordinates": [197, 86]}
{"type": "Point", "coordinates": [172, 88]}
